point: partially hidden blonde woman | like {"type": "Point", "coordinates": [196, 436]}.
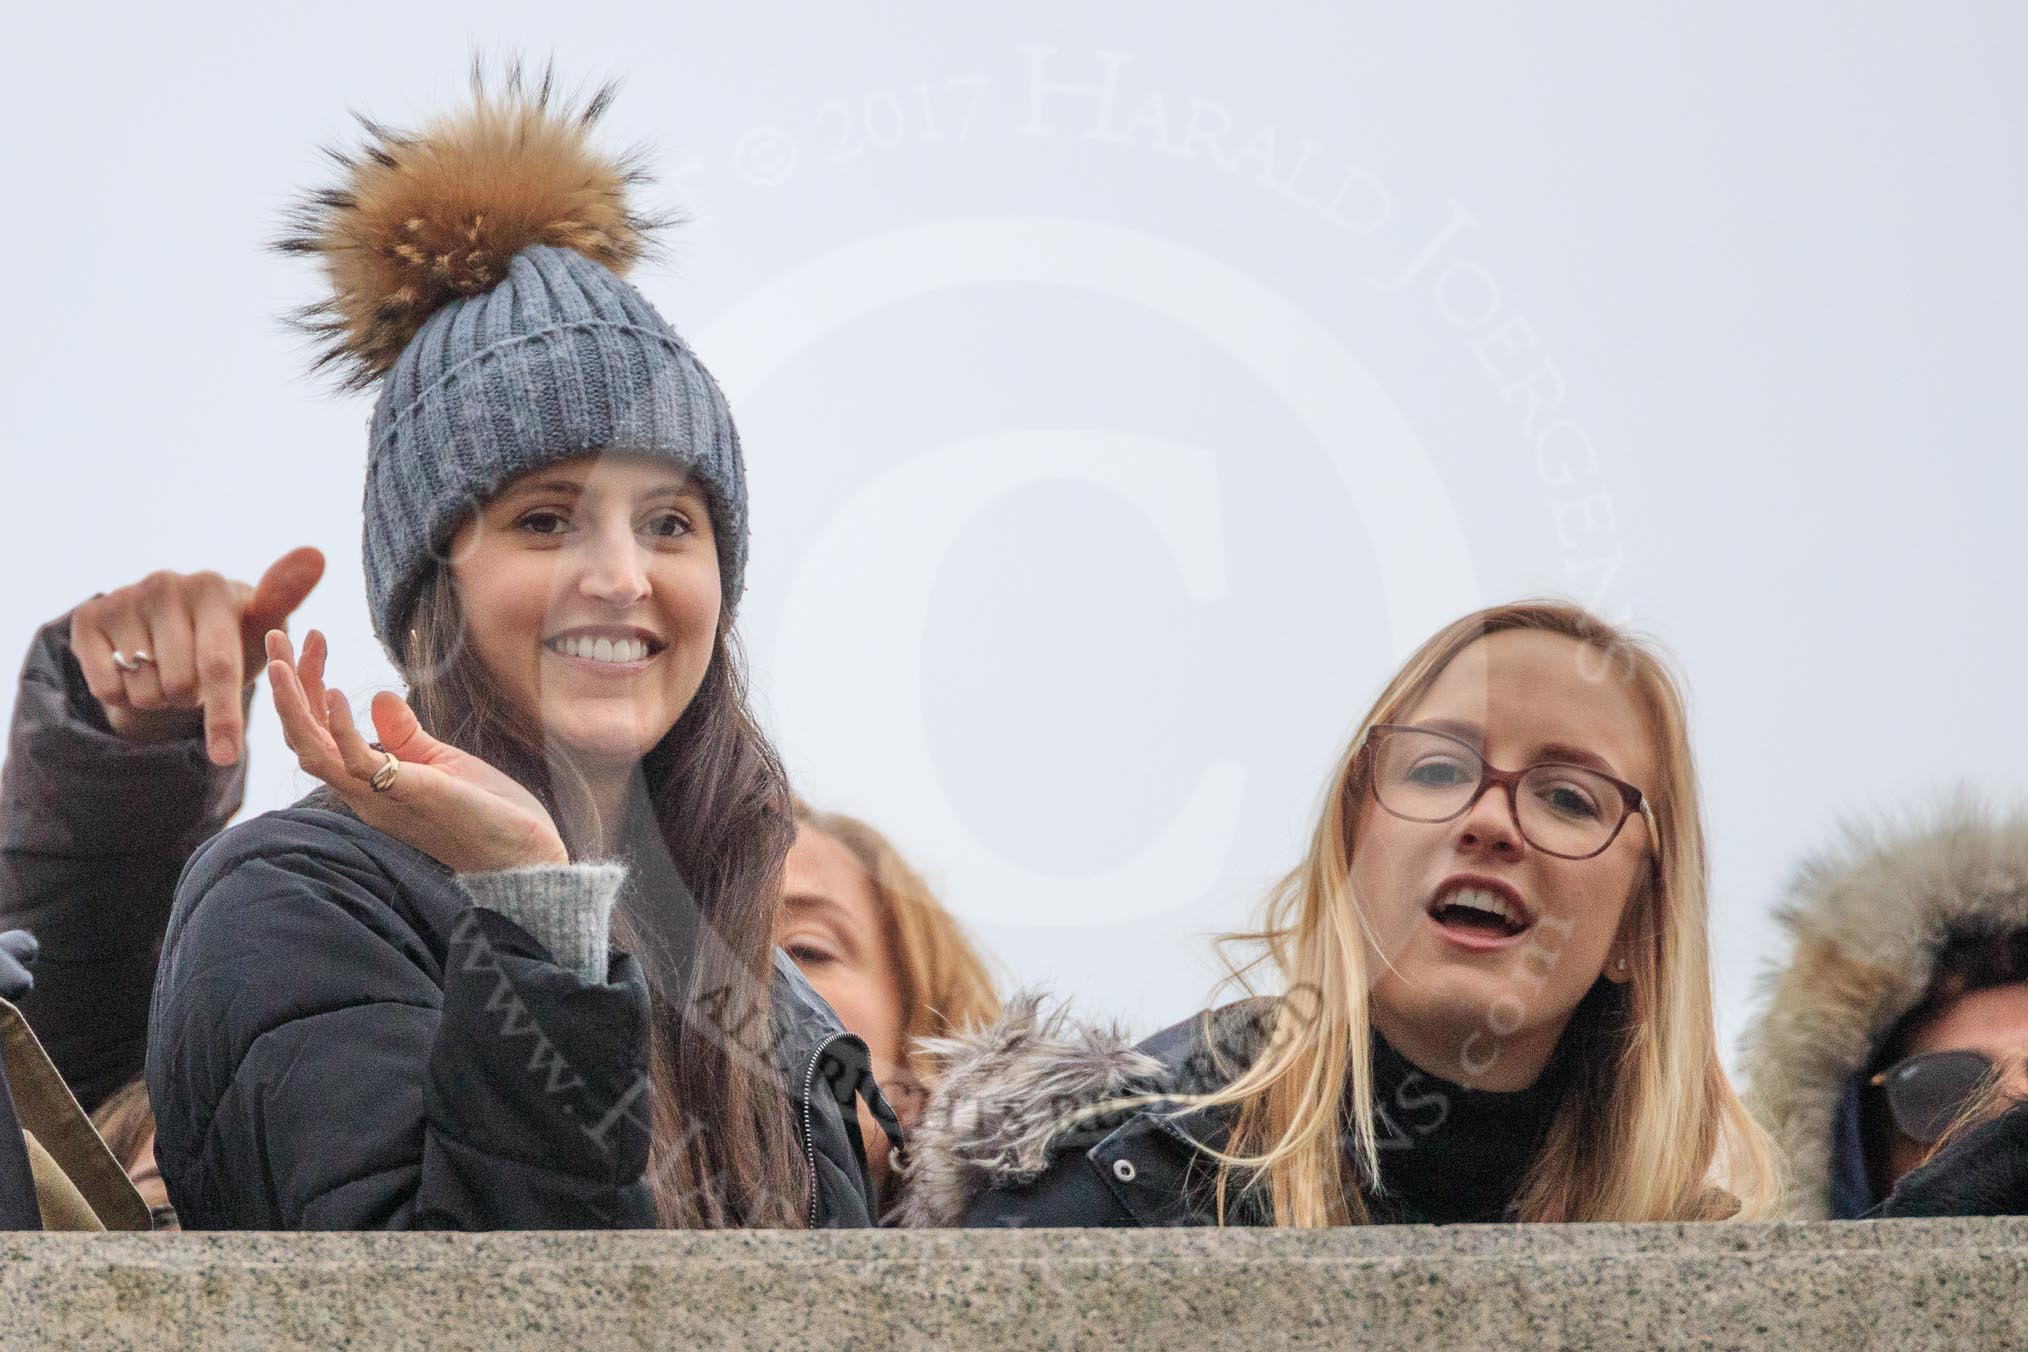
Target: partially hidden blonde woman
{"type": "Point", "coordinates": [869, 932]}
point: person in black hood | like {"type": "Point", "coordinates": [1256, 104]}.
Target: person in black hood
{"type": "Point", "coordinates": [400, 1004]}
{"type": "Point", "coordinates": [1898, 1020]}
{"type": "Point", "coordinates": [1496, 994]}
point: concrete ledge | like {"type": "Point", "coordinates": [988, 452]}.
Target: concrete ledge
{"type": "Point", "coordinates": [1899, 1284]}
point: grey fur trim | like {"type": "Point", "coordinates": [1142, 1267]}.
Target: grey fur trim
{"type": "Point", "coordinates": [1003, 1099]}
{"type": "Point", "coordinates": [1868, 917]}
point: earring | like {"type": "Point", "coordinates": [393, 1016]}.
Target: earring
{"type": "Point", "coordinates": [1621, 965]}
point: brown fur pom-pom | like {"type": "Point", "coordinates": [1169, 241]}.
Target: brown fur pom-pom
{"type": "Point", "coordinates": [421, 219]}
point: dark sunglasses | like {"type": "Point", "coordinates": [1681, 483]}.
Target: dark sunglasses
{"type": "Point", "coordinates": [1926, 1094]}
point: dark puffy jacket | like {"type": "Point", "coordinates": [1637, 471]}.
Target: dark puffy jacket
{"type": "Point", "coordinates": [93, 832]}
{"type": "Point", "coordinates": [341, 1041]}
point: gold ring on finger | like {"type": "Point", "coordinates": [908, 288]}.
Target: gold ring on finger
{"type": "Point", "coordinates": [383, 778]}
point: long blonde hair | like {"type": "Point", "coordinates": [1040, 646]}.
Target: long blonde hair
{"type": "Point", "coordinates": [1650, 1128]}
{"type": "Point", "coordinates": [945, 987]}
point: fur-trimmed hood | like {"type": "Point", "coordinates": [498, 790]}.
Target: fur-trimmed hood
{"type": "Point", "coordinates": [1010, 1096]}
{"type": "Point", "coordinates": [1868, 918]}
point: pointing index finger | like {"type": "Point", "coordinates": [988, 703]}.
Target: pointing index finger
{"type": "Point", "coordinates": [221, 678]}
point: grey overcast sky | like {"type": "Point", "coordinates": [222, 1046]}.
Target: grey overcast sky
{"type": "Point", "coordinates": [1126, 387]}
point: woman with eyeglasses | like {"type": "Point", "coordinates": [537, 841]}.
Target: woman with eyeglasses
{"type": "Point", "coordinates": [1900, 1024]}
{"type": "Point", "coordinates": [1491, 992]}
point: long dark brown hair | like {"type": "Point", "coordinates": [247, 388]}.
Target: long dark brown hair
{"type": "Point", "coordinates": [707, 836]}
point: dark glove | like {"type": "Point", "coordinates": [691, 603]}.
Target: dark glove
{"type": "Point", "coordinates": [1982, 1173]}
{"type": "Point", "coordinates": [17, 954]}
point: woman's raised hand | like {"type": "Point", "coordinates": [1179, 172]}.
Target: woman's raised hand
{"type": "Point", "coordinates": [448, 804]}
{"type": "Point", "coordinates": [172, 654]}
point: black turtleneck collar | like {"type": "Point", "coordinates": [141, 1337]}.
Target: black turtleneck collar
{"type": "Point", "coordinates": [1450, 1154]}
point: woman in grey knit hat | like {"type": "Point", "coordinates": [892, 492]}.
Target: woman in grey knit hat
{"type": "Point", "coordinates": [402, 1002]}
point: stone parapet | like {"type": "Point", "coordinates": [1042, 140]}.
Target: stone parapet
{"type": "Point", "coordinates": [1851, 1285]}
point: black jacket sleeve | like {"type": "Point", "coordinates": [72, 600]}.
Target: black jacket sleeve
{"type": "Point", "coordinates": [93, 832]}
{"type": "Point", "coordinates": [318, 1062]}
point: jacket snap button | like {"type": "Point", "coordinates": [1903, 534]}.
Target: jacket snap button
{"type": "Point", "coordinates": [1123, 1170]}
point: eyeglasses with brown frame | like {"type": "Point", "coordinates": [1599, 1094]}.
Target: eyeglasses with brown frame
{"type": "Point", "coordinates": [1569, 811]}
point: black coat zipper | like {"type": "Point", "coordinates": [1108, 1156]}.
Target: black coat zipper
{"type": "Point", "coordinates": [809, 1123]}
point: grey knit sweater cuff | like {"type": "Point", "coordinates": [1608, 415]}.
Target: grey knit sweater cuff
{"type": "Point", "coordinates": [569, 907]}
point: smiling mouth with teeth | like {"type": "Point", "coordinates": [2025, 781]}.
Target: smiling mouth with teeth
{"type": "Point", "coordinates": [614, 650]}
{"type": "Point", "coordinates": [1477, 911]}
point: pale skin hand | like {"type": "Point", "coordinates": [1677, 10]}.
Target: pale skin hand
{"type": "Point", "coordinates": [450, 805]}
{"type": "Point", "coordinates": [205, 634]}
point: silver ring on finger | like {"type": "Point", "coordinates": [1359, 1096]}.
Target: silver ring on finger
{"type": "Point", "coordinates": [383, 778]}
{"type": "Point", "coordinates": [141, 658]}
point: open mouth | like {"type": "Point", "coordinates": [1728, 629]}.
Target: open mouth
{"type": "Point", "coordinates": [612, 649]}
{"type": "Point", "coordinates": [1479, 911]}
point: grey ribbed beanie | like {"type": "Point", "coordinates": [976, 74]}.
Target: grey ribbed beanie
{"type": "Point", "coordinates": [475, 274]}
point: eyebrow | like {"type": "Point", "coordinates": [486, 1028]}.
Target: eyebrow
{"type": "Point", "coordinates": [817, 904]}
{"type": "Point", "coordinates": [1577, 755]}
{"type": "Point", "coordinates": [808, 901]}
{"type": "Point", "coordinates": [1560, 752]}
{"type": "Point", "coordinates": [1459, 728]}
{"type": "Point", "coordinates": [673, 488]}
{"type": "Point", "coordinates": [563, 486]}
